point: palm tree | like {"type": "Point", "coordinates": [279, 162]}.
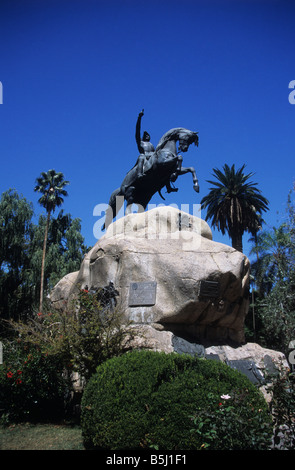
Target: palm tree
{"type": "Point", "coordinates": [234, 204]}
{"type": "Point", "coordinates": [51, 185]}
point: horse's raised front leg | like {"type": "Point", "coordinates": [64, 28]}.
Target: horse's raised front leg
{"type": "Point", "coordinates": [190, 169]}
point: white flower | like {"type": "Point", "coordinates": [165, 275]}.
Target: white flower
{"type": "Point", "coordinates": [225, 397]}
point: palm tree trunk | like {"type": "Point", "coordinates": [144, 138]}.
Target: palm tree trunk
{"type": "Point", "coordinates": [237, 242]}
{"type": "Point", "coordinates": [43, 263]}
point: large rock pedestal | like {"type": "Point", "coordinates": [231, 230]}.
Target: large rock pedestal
{"type": "Point", "coordinates": [170, 276]}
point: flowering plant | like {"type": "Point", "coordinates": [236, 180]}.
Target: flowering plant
{"type": "Point", "coordinates": [82, 336]}
{"type": "Point", "coordinates": [31, 383]}
{"type": "Point", "coordinates": [234, 423]}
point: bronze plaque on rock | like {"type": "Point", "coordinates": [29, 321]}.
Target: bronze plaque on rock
{"type": "Point", "coordinates": [142, 293]}
{"type": "Point", "coordinates": [209, 289]}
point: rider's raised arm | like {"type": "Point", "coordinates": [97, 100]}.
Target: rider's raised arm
{"type": "Point", "coordinates": [137, 132]}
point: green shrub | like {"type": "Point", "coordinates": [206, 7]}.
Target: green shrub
{"type": "Point", "coordinates": [32, 384]}
{"type": "Point", "coordinates": [282, 389]}
{"type": "Point", "coordinates": [148, 399]}
{"type": "Point", "coordinates": [84, 336]}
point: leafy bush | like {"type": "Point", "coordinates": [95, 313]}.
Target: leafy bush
{"type": "Point", "coordinates": [151, 399]}
{"type": "Point", "coordinates": [38, 369]}
{"type": "Point", "coordinates": [83, 337]}
{"type": "Point", "coordinates": [32, 384]}
{"type": "Point", "coordinates": [282, 389]}
{"type": "Point", "coordinates": [233, 423]}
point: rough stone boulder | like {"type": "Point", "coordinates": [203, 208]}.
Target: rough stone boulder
{"type": "Point", "coordinates": [169, 274]}
{"type": "Point", "coordinates": [61, 292]}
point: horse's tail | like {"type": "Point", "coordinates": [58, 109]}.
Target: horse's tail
{"type": "Point", "coordinates": [161, 194]}
{"type": "Point", "coordinates": [115, 203]}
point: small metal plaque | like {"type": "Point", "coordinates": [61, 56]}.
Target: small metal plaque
{"type": "Point", "coordinates": [209, 289]}
{"type": "Point", "coordinates": [142, 293]}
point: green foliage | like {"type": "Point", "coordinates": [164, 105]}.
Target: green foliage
{"type": "Point", "coordinates": [232, 423]}
{"type": "Point", "coordinates": [65, 249]}
{"type": "Point", "coordinates": [146, 399]}
{"type": "Point", "coordinates": [21, 247]}
{"type": "Point", "coordinates": [51, 185]}
{"type": "Point", "coordinates": [98, 334]}
{"type": "Point", "coordinates": [32, 384]}
{"type": "Point", "coordinates": [82, 337]}
{"type": "Point", "coordinates": [273, 284]}
{"type": "Point", "coordinates": [272, 248]}
{"type": "Point", "coordinates": [282, 389]}
{"type": "Point", "coordinates": [234, 204]}
{"type": "Point", "coordinates": [16, 231]}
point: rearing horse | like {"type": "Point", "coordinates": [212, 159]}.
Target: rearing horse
{"type": "Point", "coordinates": [161, 167]}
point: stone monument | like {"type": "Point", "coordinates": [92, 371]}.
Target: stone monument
{"type": "Point", "coordinates": [170, 276]}
{"type": "Point", "coordinates": [182, 291]}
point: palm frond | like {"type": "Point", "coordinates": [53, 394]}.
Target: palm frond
{"type": "Point", "coordinates": [234, 204]}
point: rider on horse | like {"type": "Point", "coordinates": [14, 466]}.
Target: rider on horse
{"type": "Point", "coordinates": [146, 149]}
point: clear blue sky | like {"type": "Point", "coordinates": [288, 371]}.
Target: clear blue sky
{"type": "Point", "coordinates": [76, 73]}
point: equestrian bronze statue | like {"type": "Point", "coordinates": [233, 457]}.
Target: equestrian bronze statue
{"type": "Point", "coordinates": [154, 169]}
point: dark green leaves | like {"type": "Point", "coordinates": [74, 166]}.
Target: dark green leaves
{"type": "Point", "coordinates": [234, 204]}
{"type": "Point", "coordinates": [51, 186]}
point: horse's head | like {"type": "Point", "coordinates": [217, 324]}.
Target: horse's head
{"type": "Point", "coordinates": [186, 138]}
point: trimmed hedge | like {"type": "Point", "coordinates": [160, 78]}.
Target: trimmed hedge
{"type": "Point", "coordinates": [147, 399]}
